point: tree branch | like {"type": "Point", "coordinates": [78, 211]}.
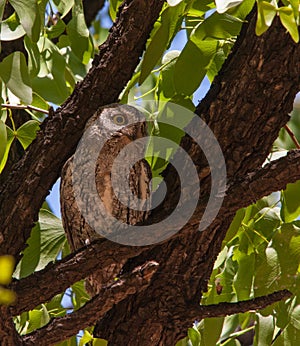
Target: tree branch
{"type": "Point", "coordinates": [62, 328]}
{"type": "Point", "coordinates": [225, 309]}
{"type": "Point", "coordinates": [272, 177]}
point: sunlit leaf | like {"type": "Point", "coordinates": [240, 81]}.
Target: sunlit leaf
{"type": "Point", "coordinates": [174, 2]}
{"type": "Point", "coordinates": [3, 139]}
{"type": "Point", "coordinates": [28, 12]}
{"type": "Point", "coordinates": [223, 5]}
{"type": "Point", "coordinates": [38, 318]}
{"type": "Point", "coordinates": [192, 64]}
{"type": "Point", "coordinates": [290, 209]}
{"type": "Point", "coordinates": [267, 273]}
{"type": "Point", "coordinates": [86, 337]}
{"type": "Point", "coordinates": [50, 82]}
{"type": "Point", "coordinates": [167, 73]}
{"type": "Point", "coordinates": [52, 237]}
{"type": "Point", "coordinates": [11, 29]}
{"type": "Point", "coordinates": [218, 26]}
{"type": "Point", "coordinates": [10, 138]}
{"type": "Point", "coordinates": [45, 243]}
{"type": "Point", "coordinates": [79, 34]}
{"type": "Point", "coordinates": [14, 73]}
{"type": "Point", "coordinates": [113, 8]}
{"type": "Point", "coordinates": [264, 329]}
{"type": "Point", "coordinates": [287, 17]}
{"type": "Point", "coordinates": [63, 6]}
{"type": "Point", "coordinates": [265, 15]}
{"type": "Point", "coordinates": [194, 336]}
{"type": "Point", "coordinates": [170, 19]}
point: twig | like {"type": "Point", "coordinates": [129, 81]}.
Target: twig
{"type": "Point", "coordinates": [224, 309]}
{"type": "Point", "coordinates": [32, 108]}
{"type": "Point", "coordinates": [292, 135]}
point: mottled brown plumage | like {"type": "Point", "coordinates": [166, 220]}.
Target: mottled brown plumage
{"type": "Point", "coordinates": [109, 122]}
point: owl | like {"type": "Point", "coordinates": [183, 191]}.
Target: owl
{"type": "Point", "coordinates": [93, 201]}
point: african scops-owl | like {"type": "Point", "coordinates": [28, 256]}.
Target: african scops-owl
{"type": "Point", "coordinates": [117, 126]}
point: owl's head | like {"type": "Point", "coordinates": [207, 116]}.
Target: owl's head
{"type": "Point", "coordinates": [117, 120]}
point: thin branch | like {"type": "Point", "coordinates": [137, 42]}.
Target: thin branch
{"type": "Point", "coordinates": [32, 108]}
{"type": "Point", "coordinates": [225, 309]}
{"type": "Point", "coordinates": [292, 135]}
{"type": "Point", "coordinates": [62, 328]}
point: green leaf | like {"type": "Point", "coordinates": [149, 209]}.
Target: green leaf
{"type": "Point", "coordinates": [212, 330]}
{"type": "Point", "coordinates": [37, 319]}
{"type": "Point", "coordinates": [45, 243]}
{"type": "Point", "coordinates": [10, 138]}
{"type": "Point", "coordinates": [286, 15]}
{"type": "Point", "coordinates": [11, 29]}
{"type": "Point", "coordinates": [167, 73]}
{"type": "Point", "coordinates": [264, 330]}
{"type": "Point", "coordinates": [218, 26]}
{"type": "Point", "coordinates": [170, 19]}
{"type": "Point", "coordinates": [86, 337]}
{"type": "Point", "coordinates": [290, 209]}
{"type": "Point", "coordinates": [3, 139]}
{"type": "Point", "coordinates": [267, 273]}
{"type": "Point", "coordinates": [50, 83]}
{"type": "Point", "coordinates": [33, 57]}
{"type": "Point", "coordinates": [243, 280]}
{"type": "Point", "coordinates": [242, 10]}
{"type": "Point", "coordinates": [26, 133]}
{"type": "Point", "coordinates": [6, 269]}
{"type": "Point", "coordinates": [52, 237]}
{"type": "Point", "coordinates": [224, 5]}
{"type": "Point", "coordinates": [14, 73]}
{"type": "Point", "coordinates": [63, 6]}
{"type": "Point", "coordinates": [79, 34]}
{"type": "Point", "coordinates": [56, 30]}
{"type": "Point", "coordinates": [31, 255]}
{"type": "Point", "coordinates": [113, 8]}
{"type": "Point", "coordinates": [192, 64]}
{"type": "Point", "coordinates": [194, 336]}
{"type": "Point", "coordinates": [154, 51]}
{"type": "Point", "coordinates": [28, 12]}
{"type": "Point", "coordinates": [80, 296]}
{"type": "Point", "coordinates": [265, 15]}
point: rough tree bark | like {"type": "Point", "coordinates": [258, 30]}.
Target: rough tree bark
{"type": "Point", "coordinates": [246, 106]}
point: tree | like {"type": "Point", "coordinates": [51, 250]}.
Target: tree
{"type": "Point", "coordinates": [247, 259]}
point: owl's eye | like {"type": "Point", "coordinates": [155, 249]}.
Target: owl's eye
{"type": "Point", "coordinates": [119, 119]}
